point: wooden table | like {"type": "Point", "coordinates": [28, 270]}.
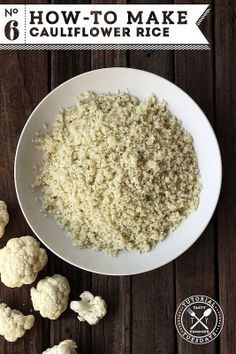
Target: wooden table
{"type": "Point", "coordinates": [141, 311]}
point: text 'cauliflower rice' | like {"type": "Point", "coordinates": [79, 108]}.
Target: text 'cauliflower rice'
{"type": "Point", "coordinates": [118, 173]}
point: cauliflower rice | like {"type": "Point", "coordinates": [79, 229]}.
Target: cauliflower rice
{"type": "Point", "coordinates": [118, 173]}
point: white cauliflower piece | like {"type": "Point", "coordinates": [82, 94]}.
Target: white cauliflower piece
{"type": "Point", "coordinates": [13, 324]}
{"type": "Point", "coordinates": [4, 217]}
{"type": "Point", "coordinates": [68, 346]}
{"type": "Point", "coordinates": [51, 295]}
{"type": "Point", "coordinates": [21, 260]}
{"type": "Point", "coordinates": [90, 308]}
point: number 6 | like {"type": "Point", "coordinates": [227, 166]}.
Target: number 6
{"type": "Point", "coordinates": [11, 30]}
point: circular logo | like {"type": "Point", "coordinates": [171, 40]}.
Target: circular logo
{"type": "Point", "coordinates": [199, 319]}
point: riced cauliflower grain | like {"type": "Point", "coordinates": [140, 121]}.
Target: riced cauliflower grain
{"type": "Point", "coordinates": [118, 173]}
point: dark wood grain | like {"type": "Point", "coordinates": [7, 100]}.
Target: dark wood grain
{"type": "Point", "coordinates": [225, 73]}
{"type": "Point", "coordinates": [153, 293]}
{"type": "Point", "coordinates": [24, 82]}
{"type": "Point", "coordinates": [196, 270]}
{"type": "Point", "coordinates": [113, 335]}
{"type": "Point", "coordinates": [64, 65]}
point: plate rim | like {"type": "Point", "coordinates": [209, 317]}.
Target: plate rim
{"type": "Point", "coordinates": [184, 249]}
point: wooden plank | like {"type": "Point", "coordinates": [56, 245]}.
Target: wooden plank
{"type": "Point", "coordinates": [106, 334]}
{"type": "Point", "coordinates": [195, 275]}
{"type": "Point", "coordinates": [106, 58]}
{"type": "Point", "coordinates": [153, 293]}
{"type": "Point", "coordinates": [225, 73]}
{"type": "Point", "coordinates": [64, 65]}
{"type": "Point", "coordinates": [24, 82]}
{"type": "Point", "coordinates": [195, 270]}
{"type": "Point", "coordinates": [113, 334]}
{"type": "Point", "coordinates": [152, 312]}
{"type": "Point", "coordinates": [68, 326]}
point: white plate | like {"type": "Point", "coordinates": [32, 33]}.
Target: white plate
{"type": "Point", "coordinates": [139, 83]}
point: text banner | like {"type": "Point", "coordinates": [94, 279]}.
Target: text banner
{"type": "Point", "coordinates": [102, 26]}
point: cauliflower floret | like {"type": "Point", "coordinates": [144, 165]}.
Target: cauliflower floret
{"type": "Point", "coordinates": [51, 295]}
{"type": "Point", "coordinates": [68, 346]}
{"type": "Point", "coordinates": [90, 308]}
{"type": "Point", "coordinates": [4, 217]}
{"type": "Point", "coordinates": [13, 324]}
{"type": "Point", "coordinates": [21, 260]}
